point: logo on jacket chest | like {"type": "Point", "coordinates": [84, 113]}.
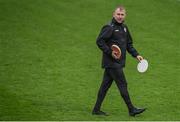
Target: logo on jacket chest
{"type": "Point", "coordinates": [124, 29]}
{"type": "Point", "coordinates": [120, 34]}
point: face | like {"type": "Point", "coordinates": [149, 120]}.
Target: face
{"type": "Point", "coordinates": [119, 15]}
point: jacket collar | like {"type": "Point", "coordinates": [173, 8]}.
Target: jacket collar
{"type": "Point", "coordinates": [115, 22]}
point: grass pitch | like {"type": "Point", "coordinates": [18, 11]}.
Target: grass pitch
{"type": "Point", "coordinates": [50, 64]}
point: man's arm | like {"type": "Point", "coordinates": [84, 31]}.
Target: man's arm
{"type": "Point", "coordinates": [104, 36]}
{"type": "Point", "coordinates": [130, 47]}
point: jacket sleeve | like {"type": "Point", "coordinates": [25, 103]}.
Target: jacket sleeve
{"type": "Point", "coordinates": [104, 36]}
{"type": "Point", "coordinates": [130, 47]}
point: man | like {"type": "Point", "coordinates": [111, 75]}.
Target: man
{"type": "Point", "coordinates": [116, 32]}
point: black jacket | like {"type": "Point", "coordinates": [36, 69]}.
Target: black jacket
{"type": "Point", "coordinates": [115, 33]}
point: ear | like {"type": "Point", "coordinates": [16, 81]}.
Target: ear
{"type": "Point", "coordinates": [113, 14]}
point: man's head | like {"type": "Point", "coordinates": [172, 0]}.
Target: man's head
{"type": "Point", "coordinates": [119, 14]}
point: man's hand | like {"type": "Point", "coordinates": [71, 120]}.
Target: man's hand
{"type": "Point", "coordinates": [115, 56]}
{"type": "Point", "coordinates": [139, 58]}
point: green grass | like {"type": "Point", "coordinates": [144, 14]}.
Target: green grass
{"type": "Point", "coordinates": [50, 64]}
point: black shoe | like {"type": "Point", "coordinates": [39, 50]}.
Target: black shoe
{"type": "Point", "coordinates": [136, 111]}
{"type": "Point", "coordinates": [99, 113]}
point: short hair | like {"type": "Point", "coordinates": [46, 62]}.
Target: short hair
{"type": "Point", "coordinates": [120, 7]}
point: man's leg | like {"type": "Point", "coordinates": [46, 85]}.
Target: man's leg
{"type": "Point", "coordinates": [119, 77]}
{"type": "Point", "coordinates": [105, 85]}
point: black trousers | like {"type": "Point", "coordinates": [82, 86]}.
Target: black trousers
{"type": "Point", "coordinates": [118, 76]}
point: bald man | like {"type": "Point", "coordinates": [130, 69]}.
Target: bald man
{"type": "Point", "coordinates": [116, 32]}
